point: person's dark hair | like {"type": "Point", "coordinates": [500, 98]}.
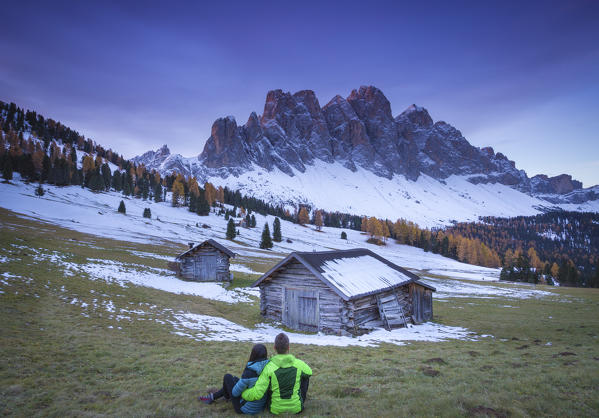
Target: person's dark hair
{"type": "Point", "coordinates": [282, 343]}
{"type": "Point", "coordinates": [258, 353]}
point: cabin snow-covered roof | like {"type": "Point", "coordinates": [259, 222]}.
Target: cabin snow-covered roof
{"type": "Point", "coordinates": [208, 242]}
{"type": "Point", "coordinates": [351, 273]}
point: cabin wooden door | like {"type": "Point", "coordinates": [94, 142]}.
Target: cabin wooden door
{"type": "Point", "coordinates": [205, 267]}
{"type": "Point", "coordinates": [300, 309]}
{"type": "Point", "coordinates": [427, 305]}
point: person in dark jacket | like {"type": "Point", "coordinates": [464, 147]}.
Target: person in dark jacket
{"type": "Point", "coordinates": [233, 386]}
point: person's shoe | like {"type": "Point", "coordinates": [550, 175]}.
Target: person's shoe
{"type": "Point", "coordinates": [207, 399]}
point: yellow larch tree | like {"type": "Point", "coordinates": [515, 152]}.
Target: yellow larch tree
{"type": "Point", "coordinates": [318, 220]}
{"type": "Point", "coordinates": [178, 191]}
{"type": "Point", "coordinates": [303, 217]}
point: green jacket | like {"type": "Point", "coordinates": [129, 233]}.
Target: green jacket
{"type": "Point", "coordinates": [283, 374]}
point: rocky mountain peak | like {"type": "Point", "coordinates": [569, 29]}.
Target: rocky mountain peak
{"type": "Point", "coordinates": [277, 103]}
{"type": "Point", "coordinates": [415, 115]}
{"type": "Point", "coordinates": [253, 128]}
{"type": "Point", "coordinates": [561, 184]}
{"type": "Point", "coordinates": [370, 103]}
{"type": "Point", "coordinates": [226, 146]}
{"type": "Point", "coordinates": [223, 133]}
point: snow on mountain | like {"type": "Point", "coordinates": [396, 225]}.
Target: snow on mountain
{"type": "Point", "coordinates": [166, 163]}
{"type": "Point", "coordinates": [352, 155]}
{"type": "Point", "coordinates": [94, 213]}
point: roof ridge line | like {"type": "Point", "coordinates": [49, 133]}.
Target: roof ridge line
{"type": "Point", "coordinates": [332, 251]}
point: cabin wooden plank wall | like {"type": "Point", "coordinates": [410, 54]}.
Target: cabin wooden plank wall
{"type": "Point", "coordinates": [295, 281]}
{"type": "Point", "coordinates": [422, 299]}
{"type": "Point", "coordinates": [363, 313]}
{"type": "Point", "coordinates": [205, 263]}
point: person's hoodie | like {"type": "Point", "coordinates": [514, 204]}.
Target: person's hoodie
{"type": "Point", "coordinates": [248, 380]}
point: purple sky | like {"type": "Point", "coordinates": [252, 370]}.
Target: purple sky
{"type": "Point", "coordinates": [522, 77]}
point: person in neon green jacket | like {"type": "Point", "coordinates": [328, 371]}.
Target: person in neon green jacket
{"type": "Point", "coordinates": [286, 377]}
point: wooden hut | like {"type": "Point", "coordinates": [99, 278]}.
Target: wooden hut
{"type": "Point", "coordinates": [206, 262]}
{"type": "Point", "coordinates": [341, 292]}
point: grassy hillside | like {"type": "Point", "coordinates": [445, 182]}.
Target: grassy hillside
{"type": "Point", "coordinates": [64, 350]}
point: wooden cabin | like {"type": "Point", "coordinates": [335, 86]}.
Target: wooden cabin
{"type": "Point", "coordinates": [205, 262]}
{"type": "Point", "coordinates": [343, 292]}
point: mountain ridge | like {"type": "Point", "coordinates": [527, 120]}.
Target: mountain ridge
{"type": "Point", "coordinates": [360, 133]}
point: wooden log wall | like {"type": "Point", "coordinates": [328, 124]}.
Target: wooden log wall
{"type": "Point", "coordinates": [363, 313]}
{"type": "Point", "coordinates": [188, 262]}
{"type": "Point", "coordinates": [295, 275]}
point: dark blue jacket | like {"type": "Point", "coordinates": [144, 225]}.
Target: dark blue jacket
{"type": "Point", "coordinates": [248, 380]}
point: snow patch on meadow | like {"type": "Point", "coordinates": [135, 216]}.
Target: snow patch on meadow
{"type": "Point", "coordinates": [447, 288]}
{"type": "Point", "coordinates": [161, 279]}
{"type": "Point", "coordinates": [152, 255]}
{"type": "Point", "coordinates": [210, 328]}
{"type": "Point", "coordinates": [240, 268]}
{"type": "Point", "coordinates": [487, 275]}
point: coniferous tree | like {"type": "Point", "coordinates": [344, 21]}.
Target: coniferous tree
{"type": "Point", "coordinates": [145, 189]}
{"type": "Point", "coordinates": [203, 208]}
{"type": "Point", "coordinates": [253, 221]}
{"type": "Point", "coordinates": [147, 213]}
{"type": "Point", "coordinates": [266, 241]}
{"type": "Point", "coordinates": [7, 169]}
{"type": "Point", "coordinates": [122, 208]}
{"type": "Point", "coordinates": [126, 187]}
{"type": "Point", "coordinates": [276, 230]}
{"type": "Point", "coordinates": [74, 177]}
{"type": "Point", "coordinates": [595, 280]}
{"type": "Point", "coordinates": [192, 202]}
{"type": "Point", "coordinates": [39, 191]}
{"type": "Point", "coordinates": [231, 229]}
{"type": "Point", "coordinates": [46, 167]}
{"type": "Point", "coordinates": [343, 235]}
{"type": "Point", "coordinates": [74, 156]}
{"type": "Point", "coordinates": [106, 175]}
{"type": "Point", "coordinates": [96, 182]}
{"type": "Point", "coordinates": [158, 193]}
{"type": "Point", "coordinates": [117, 182]}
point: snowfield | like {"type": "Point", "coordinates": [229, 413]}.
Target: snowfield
{"type": "Point", "coordinates": [80, 209]}
{"type": "Point", "coordinates": [460, 289]}
{"type": "Point", "coordinates": [426, 201]}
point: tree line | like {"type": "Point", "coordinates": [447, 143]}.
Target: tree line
{"type": "Point", "coordinates": [565, 244]}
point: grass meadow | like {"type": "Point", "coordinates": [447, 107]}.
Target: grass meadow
{"type": "Point", "coordinates": [542, 358]}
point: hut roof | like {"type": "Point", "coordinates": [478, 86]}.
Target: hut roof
{"type": "Point", "coordinates": [351, 273]}
{"type": "Point", "coordinates": [212, 243]}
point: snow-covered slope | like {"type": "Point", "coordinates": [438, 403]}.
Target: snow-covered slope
{"type": "Point", "coordinates": [96, 213]}
{"type": "Point", "coordinates": [426, 201]}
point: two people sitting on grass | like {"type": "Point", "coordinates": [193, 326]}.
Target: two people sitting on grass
{"type": "Point", "coordinates": [282, 382]}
